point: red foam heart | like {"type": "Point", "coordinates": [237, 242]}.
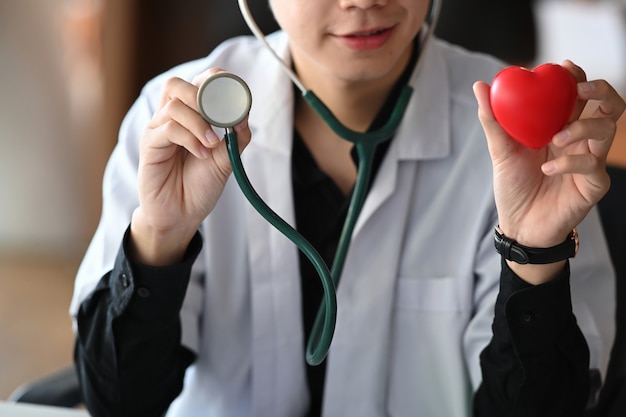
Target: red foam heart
{"type": "Point", "coordinates": [533, 105]}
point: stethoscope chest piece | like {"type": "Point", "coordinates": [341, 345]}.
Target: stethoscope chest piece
{"type": "Point", "coordinates": [224, 100]}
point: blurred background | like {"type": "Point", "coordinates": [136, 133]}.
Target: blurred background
{"type": "Point", "coordinates": [70, 69]}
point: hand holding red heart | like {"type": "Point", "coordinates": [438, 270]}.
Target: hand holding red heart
{"type": "Point", "coordinates": [544, 187]}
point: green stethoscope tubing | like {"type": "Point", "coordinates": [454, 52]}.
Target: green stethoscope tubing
{"type": "Point", "coordinates": [316, 352]}
{"type": "Point", "coordinates": [365, 144]}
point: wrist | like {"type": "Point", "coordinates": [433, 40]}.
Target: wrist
{"type": "Point", "coordinates": [537, 274]}
{"type": "Point", "coordinates": [535, 265]}
{"type": "Point", "coordinates": [157, 247]}
{"type": "Point", "coordinates": [514, 251]}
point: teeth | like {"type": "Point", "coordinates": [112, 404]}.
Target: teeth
{"type": "Point", "coordinates": [361, 35]}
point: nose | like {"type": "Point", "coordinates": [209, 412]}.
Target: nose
{"type": "Point", "coordinates": [361, 4]}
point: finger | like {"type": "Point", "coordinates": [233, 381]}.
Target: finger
{"type": "Point", "coordinates": [220, 152]}
{"type": "Point", "coordinates": [189, 118]}
{"type": "Point", "coordinates": [172, 133]}
{"type": "Point", "coordinates": [599, 132]}
{"type": "Point", "coordinates": [588, 165]}
{"type": "Point", "coordinates": [244, 135]}
{"type": "Point", "coordinates": [579, 75]}
{"type": "Point", "coordinates": [177, 88]}
{"type": "Point", "coordinates": [610, 105]}
{"type": "Point", "coordinates": [577, 72]}
{"type": "Point", "coordinates": [200, 78]}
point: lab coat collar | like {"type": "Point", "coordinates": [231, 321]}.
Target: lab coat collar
{"type": "Point", "coordinates": [275, 93]}
{"type": "Point", "coordinates": [423, 134]}
{"type": "Point", "coordinates": [425, 131]}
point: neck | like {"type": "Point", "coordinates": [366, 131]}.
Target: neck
{"type": "Point", "coordinates": [354, 102]}
{"type": "Point", "coordinates": [354, 106]}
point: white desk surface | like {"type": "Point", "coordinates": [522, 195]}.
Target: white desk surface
{"type": "Point", "coordinates": [8, 409]}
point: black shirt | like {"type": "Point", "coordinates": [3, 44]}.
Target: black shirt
{"type": "Point", "coordinates": [321, 209]}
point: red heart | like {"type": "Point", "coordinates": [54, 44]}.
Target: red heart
{"type": "Point", "coordinates": [533, 105]}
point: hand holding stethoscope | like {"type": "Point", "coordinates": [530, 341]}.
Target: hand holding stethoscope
{"type": "Point", "coordinates": [183, 167]}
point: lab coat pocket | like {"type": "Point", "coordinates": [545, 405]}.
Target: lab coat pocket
{"type": "Point", "coordinates": [428, 294]}
{"type": "Point", "coordinates": [427, 370]}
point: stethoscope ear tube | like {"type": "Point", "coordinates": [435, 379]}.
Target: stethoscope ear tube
{"type": "Point", "coordinates": [371, 137]}
{"type": "Point", "coordinates": [320, 340]}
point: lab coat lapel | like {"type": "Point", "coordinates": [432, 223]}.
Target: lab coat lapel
{"type": "Point", "coordinates": [424, 133]}
{"type": "Point", "coordinates": [279, 384]}
{"type": "Point", "coordinates": [357, 374]}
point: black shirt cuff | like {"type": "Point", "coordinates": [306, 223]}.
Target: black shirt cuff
{"type": "Point", "coordinates": [149, 292]}
{"type": "Point", "coordinates": [534, 315]}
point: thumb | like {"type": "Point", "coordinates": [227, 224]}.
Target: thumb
{"type": "Point", "coordinates": [243, 135]}
{"type": "Point", "coordinates": [498, 141]}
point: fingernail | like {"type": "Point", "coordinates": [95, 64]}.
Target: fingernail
{"type": "Point", "coordinates": [211, 137]}
{"type": "Point", "coordinates": [548, 167]}
{"type": "Point", "coordinates": [586, 87]}
{"type": "Point", "coordinates": [561, 137]}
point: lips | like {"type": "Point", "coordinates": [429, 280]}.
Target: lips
{"type": "Point", "coordinates": [367, 39]}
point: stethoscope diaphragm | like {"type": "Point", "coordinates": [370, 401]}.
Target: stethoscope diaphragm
{"type": "Point", "coordinates": [224, 100]}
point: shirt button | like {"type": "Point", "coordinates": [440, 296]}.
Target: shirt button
{"type": "Point", "coordinates": [125, 281]}
{"type": "Point", "coordinates": [527, 317]}
{"type": "Point", "coordinates": [143, 292]}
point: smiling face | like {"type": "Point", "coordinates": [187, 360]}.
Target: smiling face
{"type": "Point", "coordinates": [350, 41]}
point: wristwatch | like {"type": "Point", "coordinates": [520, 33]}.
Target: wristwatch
{"type": "Point", "coordinates": [513, 251]}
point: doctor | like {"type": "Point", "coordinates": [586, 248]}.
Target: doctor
{"type": "Point", "coordinates": [189, 303]}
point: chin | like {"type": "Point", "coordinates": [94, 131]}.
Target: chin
{"type": "Point", "coordinates": [369, 73]}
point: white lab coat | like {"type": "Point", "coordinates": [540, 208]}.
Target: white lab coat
{"type": "Point", "coordinates": [415, 302]}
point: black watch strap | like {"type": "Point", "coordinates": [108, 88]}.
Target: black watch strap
{"type": "Point", "coordinates": [513, 251]}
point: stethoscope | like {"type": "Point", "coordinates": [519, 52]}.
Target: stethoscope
{"type": "Point", "coordinates": [224, 101]}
